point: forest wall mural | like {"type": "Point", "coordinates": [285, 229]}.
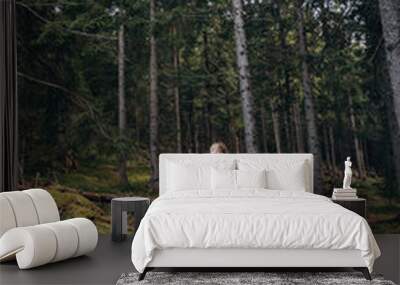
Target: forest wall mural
{"type": "Point", "coordinates": [105, 86]}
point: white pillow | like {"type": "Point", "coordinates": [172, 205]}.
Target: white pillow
{"type": "Point", "coordinates": [181, 177]}
{"type": "Point", "coordinates": [223, 179]}
{"type": "Point", "coordinates": [186, 174]}
{"type": "Point", "coordinates": [281, 174]}
{"type": "Point", "coordinates": [251, 178]}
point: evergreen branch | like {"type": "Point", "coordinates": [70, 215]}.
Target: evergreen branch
{"type": "Point", "coordinates": [75, 32]}
{"type": "Point", "coordinates": [78, 100]}
{"type": "Point", "coordinates": [378, 46]}
{"type": "Point", "coordinates": [49, 84]}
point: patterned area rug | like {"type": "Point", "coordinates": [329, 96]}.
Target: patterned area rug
{"type": "Point", "coordinates": [273, 278]}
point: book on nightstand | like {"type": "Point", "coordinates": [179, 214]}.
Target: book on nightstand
{"type": "Point", "coordinates": [344, 194]}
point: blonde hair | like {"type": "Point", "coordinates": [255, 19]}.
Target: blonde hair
{"type": "Point", "coordinates": [218, 147]}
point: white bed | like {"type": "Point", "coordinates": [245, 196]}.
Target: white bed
{"type": "Point", "coordinates": [249, 227]}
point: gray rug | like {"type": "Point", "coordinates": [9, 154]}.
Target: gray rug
{"type": "Point", "coordinates": [269, 278]}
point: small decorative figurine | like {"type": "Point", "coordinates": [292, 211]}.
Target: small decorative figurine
{"type": "Point", "coordinates": [347, 174]}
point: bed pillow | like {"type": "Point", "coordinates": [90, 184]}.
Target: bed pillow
{"type": "Point", "coordinates": [181, 177]}
{"type": "Point", "coordinates": [251, 178]}
{"type": "Point", "coordinates": [188, 175]}
{"type": "Point", "coordinates": [223, 179]}
{"type": "Point", "coordinates": [230, 180]}
{"type": "Point", "coordinates": [281, 174]}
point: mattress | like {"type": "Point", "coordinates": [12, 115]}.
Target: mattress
{"type": "Point", "coordinates": [251, 219]}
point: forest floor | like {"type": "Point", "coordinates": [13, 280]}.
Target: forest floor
{"type": "Point", "coordinates": [88, 191]}
{"type": "Point", "coordinates": [383, 213]}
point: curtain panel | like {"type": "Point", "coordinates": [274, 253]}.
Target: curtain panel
{"type": "Point", "coordinates": [8, 97]}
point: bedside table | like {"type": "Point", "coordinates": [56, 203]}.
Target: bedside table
{"type": "Point", "coordinates": [119, 210]}
{"type": "Point", "coordinates": [357, 205]}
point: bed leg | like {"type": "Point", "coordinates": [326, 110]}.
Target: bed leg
{"type": "Point", "coordinates": [364, 271]}
{"type": "Point", "coordinates": [143, 274]}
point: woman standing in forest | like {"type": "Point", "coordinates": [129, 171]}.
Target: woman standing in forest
{"type": "Point", "coordinates": [218, 147]}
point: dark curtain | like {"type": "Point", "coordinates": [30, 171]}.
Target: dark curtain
{"type": "Point", "coordinates": [8, 97]}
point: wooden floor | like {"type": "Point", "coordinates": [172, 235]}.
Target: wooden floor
{"type": "Point", "coordinates": [110, 260]}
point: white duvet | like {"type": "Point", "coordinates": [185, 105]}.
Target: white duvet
{"type": "Point", "coordinates": [250, 219]}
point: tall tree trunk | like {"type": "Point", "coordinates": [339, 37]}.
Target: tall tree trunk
{"type": "Point", "coordinates": [209, 132]}
{"type": "Point", "coordinates": [237, 143]}
{"type": "Point", "coordinates": [205, 123]}
{"type": "Point", "coordinates": [264, 128]}
{"type": "Point", "coordinates": [196, 138]}
{"type": "Point", "coordinates": [332, 148]}
{"type": "Point", "coordinates": [189, 143]}
{"type": "Point", "coordinates": [137, 119]}
{"type": "Point", "coordinates": [357, 145]}
{"type": "Point", "coordinates": [275, 125]}
{"type": "Point", "coordinates": [177, 97]}
{"type": "Point", "coordinates": [384, 86]}
{"type": "Point", "coordinates": [395, 141]}
{"type": "Point", "coordinates": [326, 149]}
{"type": "Point", "coordinates": [208, 103]}
{"type": "Point", "coordinates": [364, 145]}
{"type": "Point", "coordinates": [231, 124]}
{"type": "Point", "coordinates": [312, 136]}
{"type": "Point", "coordinates": [292, 132]}
{"type": "Point", "coordinates": [390, 18]}
{"type": "Point", "coordinates": [291, 147]}
{"type": "Point", "coordinates": [298, 127]}
{"type": "Point", "coordinates": [121, 106]}
{"type": "Point", "coordinates": [287, 130]}
{"type": "Point", "coordinates": [244, 78]}
{"type": "Point", "coordinates": [153, 102]}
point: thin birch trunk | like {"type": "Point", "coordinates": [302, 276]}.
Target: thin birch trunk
{"type": "Point", "coordinates": [177, 97]}
{"type": "Point", "coordinates": [312, 136]}
{"type": "Point", "coordinates": [153, 102]}
{"type": "Point", "coordinates": [123, 177]}
{"type": "Point", "coordinates": [244, 78]}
